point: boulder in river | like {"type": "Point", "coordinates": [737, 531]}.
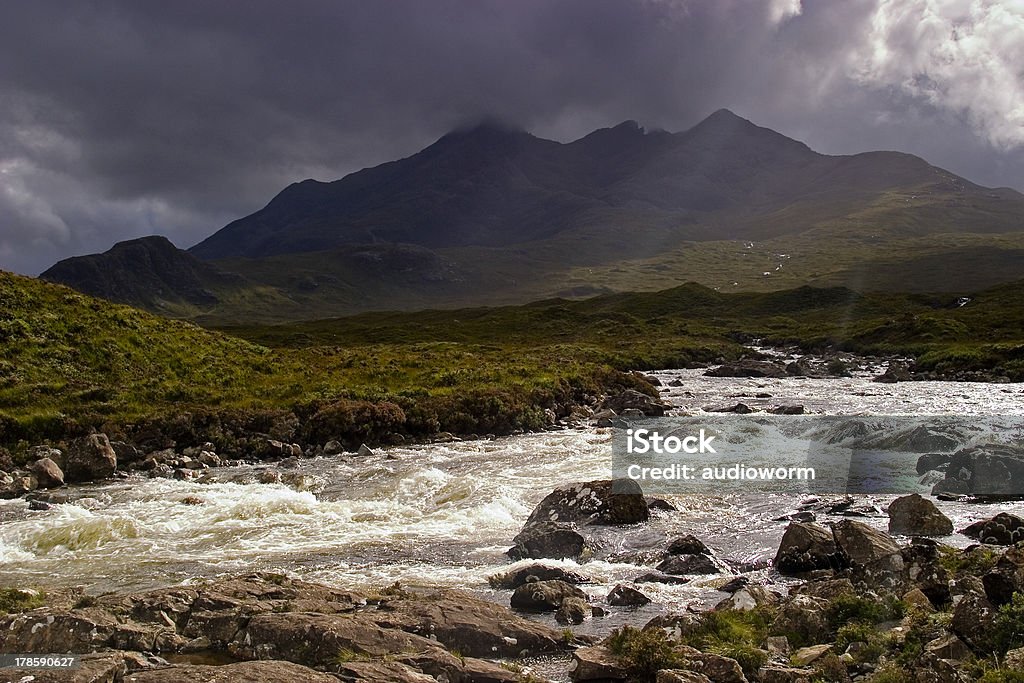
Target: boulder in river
{"type": "Point", "coordinates": [544, 596]}
{"type": "Point", "coordinates": [984, 470]}
{"type": "Point", "coordinates": [89, 458]}
{"type": "Point", "coordinates": [748, 368]}
{"type": "Point", "coordinates": [553, 540]}
{"type": "Point", "coordinates": [625, 596]}
{"type": "Point", "coordinates": [631, 399]}
{"type": "Point", "coordinates": [1003, 529]}
{"type": "Point", "coordinates": [535, 572]}
{"type": "Point", "coordinates": [915, 515]}
{"type": "Point", "coordinates": [47, 473]}
{"type": "Point", "coordinates": [806, 547]}
{"type": "Point", "coordinates": [605, 501]}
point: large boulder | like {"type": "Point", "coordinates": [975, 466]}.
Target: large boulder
{"type": "Point", "coordinates": [915, 515]}
{"type": "Point", "coordinates": [873, 555]}
{"type": "Point", "coordinates": [631, 399]}
{"type": "Point", "coordinates": [554, 540]}
{"type": "Point", "coordinates": [544, 596]}
{"type": "Point", "coordinates": [802, 618]}
{"type": "Point", "coordinates": [806, 547]}
{"type": "Point", "coordinates": [596, 664]}
{"type": "Point", "coordinates": [89, 458]}
{"type": "Point", "coordinates": [1006, 578]}
{"type": "Point", "coordinates": [991, 469]}
{"type": "Point", "coordinates": [515, 578]}
{"type": "Point", "coordinates": [625, 596]}
{"type": "Point", "coordinates": [604, 501]}
{"type": "Point", "coordinates": [1003, 529]}
{"type": "Point", "coordinates": [681, 565]}
{"type": "Point", "coordinates": [974, 620]}
{"type": "Point", "coordinates": [48, 474]}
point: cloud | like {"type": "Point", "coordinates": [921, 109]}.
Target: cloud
{"type": "Point", "coordinates": [965, 57]}
{"type": "Point", "coordinates": [121, 118]}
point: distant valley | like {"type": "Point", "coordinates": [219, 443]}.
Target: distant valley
{"type": "Point", "coordinates": [490, 215]}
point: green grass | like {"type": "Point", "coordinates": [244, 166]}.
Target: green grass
{"type": "Point", "coordinates": [16, 600]}
{"type": "Point", "coordinates": [644, 652]}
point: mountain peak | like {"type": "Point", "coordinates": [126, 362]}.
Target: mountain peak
{"type": "Point", "coordinates": [487, 126]}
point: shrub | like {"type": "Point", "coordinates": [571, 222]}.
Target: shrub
{"type": "Point", "coordinates": [643, 652]}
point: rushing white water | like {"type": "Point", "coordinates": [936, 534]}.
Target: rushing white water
{"type": "Point", "coordinates": [433, 514]}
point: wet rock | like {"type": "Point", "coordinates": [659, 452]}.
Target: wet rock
{"type": "Point", "coordinates": [1003, 529]}
{"type": "Point", "coordinates": [333, 448]}
{"type": "Point", "coordinates": [572, 611]}
{"type": "Point", "coordinates": [596, 664]}
{"type": "Point", "coordinates": [738, 408]}
{"type": "Point", "coordinates": [624, 596]}
{"type": "Point", "coordinates": [595, 502]}
{"type": "Point", "coordinates": [243, 672]}
{"type": "Point", "coordinates": [535, 572]}
{"type": "Point", "coordinates": [89, 458]}
{"type": "Point", "coordinates": [984, 470]}
{"type": "Point", "coordinates": [365, 451]}
{"type": "Point", "coordinates": [48, 474]}
{"type": "Point", "coordinates": [659, 577]}
{"type": "Point", "coordinates": [748, 368]}
{"type": "Point", "coordinates": [39, 505]}
{"type": "Point", "coordinates": [915, 515]}
{"type": "Point", "coordinates": [787, 410]}
{"type": "Point", "coordinates": [688, 545]}
{"type": "Point", "coordinates": [806, 547]}
{"type": "Point", "coordinates": [679, 565]}
{"type": "Point", "coordinates": [544, 596]}
{"type": "Point", "coordinates": [733, 585]}
{"type": "Point", "coordinates": [896, 372]}
{"type": "Point", "coordinates": [661, 504]}
{"type": "Point", "coordinates": [1006, 578]}
{"type": "Point", "coordinates": [631, 399]}
{"type": "Point", "coordinates": [552, 540]}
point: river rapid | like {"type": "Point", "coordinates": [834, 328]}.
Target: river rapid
{"type": "Point", "coordinates": [442, 514]}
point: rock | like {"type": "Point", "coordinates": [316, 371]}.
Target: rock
{"type": "Point", "coordinates": [688, 545]}
{"type": "Point", "coordinates": [128, 455]}
{"type": "Point", "coordinates": [806, 547]}
{"type": "Point", "coordinates": [860, 544]}
{"type": "Point", "coordinates": [572, 611]}
{"type": "Point", "coordinates": [914, 515]}
{"type": "Point", "coordinates": [948, 646]}
{"type": "Point", "coordinates": [808, 655]}
{"type": "Point", "coordinates": [733, 585]}
{"type": "Point", "coordinates": [1003, 529]}
{"type": "Point", "coordinates": [552, 540]}
{"type": "Point", "coordinates": [594, 502]}
{"type": "Point", "coordinates": [39, 506]}
{"type": "Point", "coordinates": [747, 599]}
{"type": "Point", "coordinates": [933, 461]}
{"type": "Point", "coordinates": [748, 368]}
{"type": "Point", "coordinates": [631, 399]}
{"type": "Point", "coordinates": [624, 596]}
{"type": "Point", "coordinates": [896, 372]}
{"type": "Point", "coordinates": [680, 676]}
{"type": "Point", "coordinates": [738, 408]}
{"type": "Point", "coordinates": [787, 410]}
{"type": "Point", "coordinates": [917, 600]}
{"type": "Point", "coordinates": [535, 572]}
{"type": "Point", "coordinates": [984, 470]}
{"type": "Point", "coordinates": [544, 596]}
{"type": "Point", "coordinates": [679, 565]}
{"type": "Point", "coordinates": [974, 619]}
{"type": "Point", "coordinates": [661, 504]}
{"type": "Point", "coordinates": [1014, 659]}
{"type": "Point", "coordinates": [89, 458]}
{"type": "Point", "coordinates": [333, 448]}
{"type": "Point", "coordinates": [786, 674]}
{"type": "Point", "coordinates": [48, 474]}
{"type": "Point", "coordinates": [1006, 578]}
{"type": "Point", "coordinates": [596, 664]}
{"type": "Point", "coordinates": [365, 451]}
{"type": "Point", "coordinates": [803, 616]}
{"type": "Point", "coordinates": [715, 667]}
{"type": "Point", "coordinates": [778, 647]}
{"type": "Point", "coordinates": [659, 577]}
{"type": "Point", "coordinates": [242, 672]}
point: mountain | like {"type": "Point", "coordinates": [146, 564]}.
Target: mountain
{"type": "Point", "coordinates": [489, 214]}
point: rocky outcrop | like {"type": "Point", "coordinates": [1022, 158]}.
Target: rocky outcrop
{"type": "Point", "coordinates": [915, 515]}
{"type": "Point", "coordinates": [395, 635]}
{"type": "Point", "coordinates": [631, 399]}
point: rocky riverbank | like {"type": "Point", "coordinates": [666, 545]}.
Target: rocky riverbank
{"type": "Point", "coordinates": [841, 602]}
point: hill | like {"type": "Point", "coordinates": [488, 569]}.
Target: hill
{"type": "Point", "coordinates": [491, 215]}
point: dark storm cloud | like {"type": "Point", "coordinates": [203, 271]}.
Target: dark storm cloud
{"type": "Point", "coordinates": [120, 119]}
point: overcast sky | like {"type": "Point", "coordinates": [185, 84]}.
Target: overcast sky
{"type": "Point", "coordinates": [130, 118]}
